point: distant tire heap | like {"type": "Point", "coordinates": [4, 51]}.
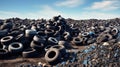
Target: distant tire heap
{"type": "Point", "coordinates": [30, 38]}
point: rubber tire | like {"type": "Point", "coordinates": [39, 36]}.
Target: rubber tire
{"type": "Point", "coordinates": [52, 41]}
{"type": "Point", "coordinates": [60, 48]}
{"type": "Point", "coordinates": [49, 32]}
{"type": "Point", "coordinates": [114, 31]}
{"type": "Point", "coordinates": [6, 40]}
{"type": "Point", "coordinates": [67, 36]}
{"type": "Point", "coordinates": [55, 58]}
{"type": "Point", "coordinates": [15, 47]}
{"type": "Point", "coordinates": [64, 43]}
{"type": "Point", "coordinates": [77, 41]}
{"type": "Point", "coordinates": [39, 39]}
{"type": "Point", "coordinates": [47, 48]}
{"type": "Point", "coordinates": [37, 46]}
{"type": "Point", "coordinates": [29, 53]}
{"type": "Point", "coordinates": [4, 53]}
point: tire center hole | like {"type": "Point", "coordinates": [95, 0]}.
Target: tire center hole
{"type": "Point", "coordinates": [6, 38]}
{"type": "Point", "coordinates": [15, 45]}
{"type": "Point", "coordinates": [51, 54]}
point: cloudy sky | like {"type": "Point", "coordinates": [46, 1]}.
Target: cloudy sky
{"type": "Point", "coordinates": [76, 9]}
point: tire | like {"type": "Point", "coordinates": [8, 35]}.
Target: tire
{"type": "Point", "coordinates": [4, 53]}
{"type": "Point", "coordinates": [52, 41]}
{"type": "Point", "coordinates": [49, 32]}
{"type": "Point", "coordinates": [114, 31]}
{"type": "Point", "coordinates": [64, 43]}
{"type": "Point", "coordinates": [37, 46]}
{"type": "Point", "coordinates": [77, 41]}
{"type": "Point", "coordinates": [30, 33]}
{"type": "Point", "coordinates": [7, 40]}
{"type": "Point", "coordinates": [53, 56]}
{"type": "Point", "coordinates": [41, 33]}
{"type": "Point", "coordinates": [2, 46]}
{"type": "Point", "coordinates": [39, 39]}
{"type": "Point", "coordinates": [29, 53]}
{"type": "Point", "coordinates": [47, 48]}
{"type": "Point", "coordinates": [104, 38]}
{"type": "Point", "coordinates": [15, 47]}
{"type": "Point", "coordinates": [7, 26]}
{"type": "Point", "coordinates": [85, 34]}
{"type": "Point", "coordinates": [14, 33]}
{"type": "Point", "coordinates": [3, 33]}
{"type": "Point", "coordinates": [60, 48]}
{"type": "Point", "coordinates": [67, 36]}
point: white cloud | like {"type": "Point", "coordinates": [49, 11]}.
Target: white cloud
{"type": "Point", "coordinates": [106, 5]}
{"type": "Point", "coordinates": [48, 12]}
{"type": "Point", "coordinates": [69, 3]}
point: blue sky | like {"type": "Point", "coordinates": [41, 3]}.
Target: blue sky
{"type": "Point", "coordinates": [76, 9]}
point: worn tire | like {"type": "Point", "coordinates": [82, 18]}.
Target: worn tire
{"type": "Point", "coordinates": [37, 46]}
{"type": "Point", "coordinates": [77, 41]}
{"type": "Point", "coordinates": [29, 53]}
{"type": "Point", "coordinates": [15, 47]}
{"type": "Point", "coordinates": [64, 43]}
{"type": "Point", "coordinates": [4, 54]}
{"type": "Point", "coordinates": [49, 32]}
{"type": "Point", "coordinates": [53, 56]}
{"type": "Point", "coordinates": [7, 40]}
{"type": "Point", "coordinates": [60, 48]}
{"type": "Point", "coordinates": [47, 48]}
{"type": "Point", "coordinates": [52, 41]}
{"type": "Point", "coordinates": [39, 39]}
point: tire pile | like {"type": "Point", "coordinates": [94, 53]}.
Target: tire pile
{"type": "Point", "coordinates": [55, 38]}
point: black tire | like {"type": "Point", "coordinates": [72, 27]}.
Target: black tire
{"type": "Point", "coordinates": [29, 53]}
{"type": "Point", "coordinates": [41, 33]}
{"type": "Point", "coordinates": [114, 31]}
{"type": "Point", "coordinates": [49, 32]}
{"type": "Point", "coordinates": [4, 53]}
{"type": "Point", "coordinates": [104, 38]}
{"type": "Point", "coordinates": [60, 48]}
{"type": "Point", "coordinates": [37, 46]}
{"type": "Point", "coordinates": [67, 36]}
{"type": "Point", "coordinates": [85, 34]}
{"type": "Point", "coordinates": [7, 40]}
{"type": "Point", "coordinates": [47, 48]}
{"type": "Point", "coordinates": [39, 39]}
{"type": "Point", "coordinates": [53, 56]}
{"type": "Point", "coordinates": [30, 33]}
{"type": "Point", "coordinates": [7, 26]}
{"type": "Point", "coordinates": [15, 47]}
{"type": "Point", "coordinates": [52, 41]}
{"type": "Point", "coordinates": [77, 41]}
{"type": "Point", "coordinates": [64, 43]}
{"type": "Point", "coordinates": [2, 46]}
{"type": "Point", "coordinates": [3, 33]}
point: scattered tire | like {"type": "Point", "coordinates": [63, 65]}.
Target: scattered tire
{"type": "Point", "coordinates": [65, 44]}
{"type": "Point", "coordinates": [37, 46]}
{"type": "Point", "coordinates": [2, 46]}
{"type": "Point", "coordinates": [29, 53]}
{"type": "Point", "coordinates": [30, 33]}
{"type": "Point", "coordinates": [39, 39]}
{"type": "Point", "coordinates": [60, 48]}
{"type": "Point", "coordinates": [52, 41]}
{"type": "Point", "coordinates": [15, 47]}
{"type": "Point", "coordinates": [49, 32]}
{"type": "Point", "coordinates": [53, 56]}
{"type": "Point", "coordinates": [47, 48]}
{"type": "Point", "coordinates": [7, 40]}
{"type": "Point", "coordinates": [4, 54]}
{"type": "Point", "coordinates": [77, 41]}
